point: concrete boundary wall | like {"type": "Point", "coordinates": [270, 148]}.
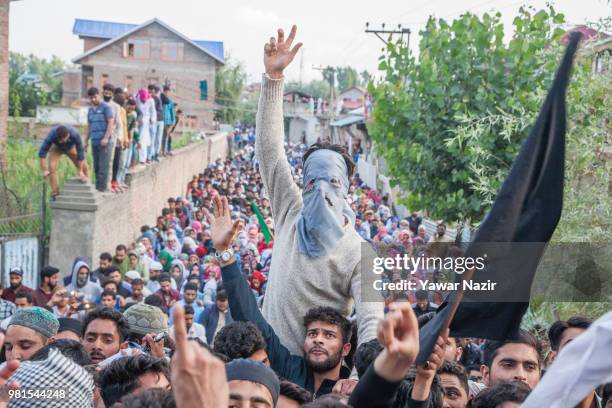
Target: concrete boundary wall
{"type": "Point", "coordinates": [87, 223]}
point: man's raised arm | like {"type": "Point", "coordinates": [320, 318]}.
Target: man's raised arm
{"type": "Point", "coordinates": [284, 194]}
{"type": "Point", "coordinates": [243, 306]}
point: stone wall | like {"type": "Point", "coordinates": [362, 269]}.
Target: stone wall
{"type": "Point", "coordinates": [87, 223]}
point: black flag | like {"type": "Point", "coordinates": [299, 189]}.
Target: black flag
{"type": "Point", "coordinates": [522, 220]}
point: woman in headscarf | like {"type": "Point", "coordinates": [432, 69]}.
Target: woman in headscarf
{"type": "Point", "coordinates": [256, 281]}
{"type": "Point", "coordinates": [166, 260]}
{"type": "Point", "coordinates": [178, 272]}
{"type": "Point", "coordinates": [148, 120]}
{"type": "Point", "coordinates": [172, 245]}
{"type": "Point", "coordinates": [211, 275]}
{"type": "Point", "coordinates": [382, 232]}
{"type": "Point", "coordinates": [197, 226]}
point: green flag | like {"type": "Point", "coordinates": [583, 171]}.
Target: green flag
{"type": "Point", "coordinates": [262, 222]}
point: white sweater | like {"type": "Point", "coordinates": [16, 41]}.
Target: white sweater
{"type": "Point", "coordinates": [296, 282]}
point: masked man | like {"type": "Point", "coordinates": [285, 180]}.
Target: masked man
{"type": "Point", "coordinates": [317, 250]}
{"type": "Point", "coordinates": [81, 283]}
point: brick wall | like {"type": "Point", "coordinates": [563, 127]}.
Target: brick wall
{"type": "Point", "coordinates": [80, 229]}
{"type": "Point", "coordinates": [89, 43]}
{"type": "Point", "coordinates": [4, 77]}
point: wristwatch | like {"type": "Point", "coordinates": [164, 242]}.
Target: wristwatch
{"type": "Point", "coordinates": [224, 256]}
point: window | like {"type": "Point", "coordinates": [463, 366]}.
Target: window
{"type": "Point", "coordinates": [203, 90]}
{"type": "Point", "coordinates": [171, 51]}
{"type": "Point", "coordinates": [103, 80]}
{"type": "Point", "coordinates": [137, 49]}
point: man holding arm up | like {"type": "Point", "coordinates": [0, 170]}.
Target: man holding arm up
{"type": "Point", "coordinates": [316, 249]}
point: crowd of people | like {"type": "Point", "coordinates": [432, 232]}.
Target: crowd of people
{"type": "Point", "coordinates": [124, 130]}
{"type": "Point", "coordinates": [246, 292]}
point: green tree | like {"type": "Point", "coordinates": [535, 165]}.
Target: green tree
{"type": "Point", "coordinates": [33, 82]}
{"type": "Point", "coordinates": [247, 109]}
{"type": "Point", "coordinates": [347, 78]}
{"type": "Point", "coordinates": [464, 70]}
{"type": "Point", "coordinates": [317, 88]}
{"type": "Point", "coordinates": [365, 78]}
{"type": "Point", "coordinates": [229, 83]}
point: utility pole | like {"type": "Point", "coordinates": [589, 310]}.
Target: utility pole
{"type": "Point", "coordinates": [399, 30]}
{"type": "Point", "coordinates": [332, 81]}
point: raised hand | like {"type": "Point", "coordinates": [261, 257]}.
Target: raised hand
{"type": "Point", "coordinates": [278, 53]}
{"type": "Point", "coordinates": [398, 333]}
{"type": "Point", "coordinates": [436, 358]}
{"type": "Point", "coordinates": [222, 230]}
{"type": "Point", "coordinates": [425, 373]}
{"type": "Point", "coordinates": [198, 377]}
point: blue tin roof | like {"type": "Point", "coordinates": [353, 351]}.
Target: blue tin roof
{"type": "Point", "coordinates": [100, 29]}
{"type": "Point", "coordinates": [213, 47]}
{"type": "Point", "coordinates": [109, 30]}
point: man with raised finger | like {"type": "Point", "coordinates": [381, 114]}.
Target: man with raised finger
{"type": "Point", "coordinates": [316, 245]}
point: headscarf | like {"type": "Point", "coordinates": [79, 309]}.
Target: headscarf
{"type": "Point", "coordinates": [201, 252]}
{"type": "Point", "coordinates": [165, 255]}
{"type": "Point", "coordinates": [197, 226]}
{"type": "Point", "coordinates": [320, 225]}
{"type": "Point", "coordinates": [260, 277]}
{"type": "Point", "coordinates": [55, 372]}
{"type": "Point", "coordinates": [184, 272]}
{"type": "Point", "coordinates": [382, 232]}
{"type": "Point", "coordinates": [143, 95]}
{"type": "Point", "coordinates": [212, 268]}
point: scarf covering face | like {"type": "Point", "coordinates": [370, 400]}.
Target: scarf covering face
{"type": "Point", "coordinates": [321, 222]}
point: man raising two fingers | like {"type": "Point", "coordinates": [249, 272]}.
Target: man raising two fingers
{"type": "Point", "coordinates": [316, 244]}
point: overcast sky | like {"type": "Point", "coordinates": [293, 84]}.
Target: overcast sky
{"type": "Point", "coordinates": [332, 30]}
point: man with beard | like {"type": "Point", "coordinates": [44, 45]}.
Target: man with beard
{"type": "Point", "coordinates": [317, 245]}
{"type": "Point", "coordinates": [167, 295]}
{"type": "Point", "coordinates": [328, 332]}
{"type": "Point", "coordinates": [16, 285]}
{"type": "Point", "coordinates": [155, 271]}
{"type": "Point", "coordinates": [80, 282]}
{"type": "Point", "coordinates": [120, 260]}
{"type": "Point", "coordinates": [439, 243]}
{"type": "Point", "coordinates": [104, 333]}
{"type": "Point", "coordinates": [49, 277]}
